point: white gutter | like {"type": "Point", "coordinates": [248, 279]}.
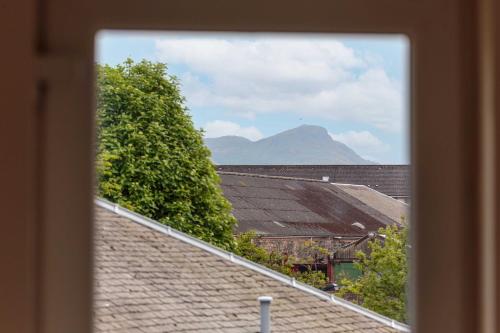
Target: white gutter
{"type": "Point", "coordinates": [247, 263]}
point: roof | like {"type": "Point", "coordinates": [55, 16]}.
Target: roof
{"type": "Point", "coordinates": [284, 206]}
{"type": "Point", "coordinates": [393, 180]}
{"type": "Point", "coordinates": [394, 209]}
{"type": "Point", "coordinates": [152, 278]}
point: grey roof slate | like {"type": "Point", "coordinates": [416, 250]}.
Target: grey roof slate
{"type": "Point", "coordinates": [393, 180]}
{"type": "Point", "coordinates": [150, 278]}
{"type": "Point", "coordinates": [284, 206]}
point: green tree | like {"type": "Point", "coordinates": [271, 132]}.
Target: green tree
{"type": "Point", "coordinates": [150, 157]}
{"type": "Point", "coordinates": [382, 285]}
{"type": "Point", "coordinates": [279, 262]}
{"type": "Point", "coordinates": [246, 248]}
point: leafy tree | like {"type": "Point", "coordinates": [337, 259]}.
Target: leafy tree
{"type": "Point", "coordinates": [279, 262]}
{"type": "Point", "coordinates": [313, 277]}
{"type": "Point", "coordinates": [246, 248]}
{"type": "Point", "coordinates": [150, 157]}
{"type": "Point", "coordinates": [382, 285]}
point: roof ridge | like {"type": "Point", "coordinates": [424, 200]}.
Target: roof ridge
{"type": "Point", "coordinates": [169, 231]}
{"type": "Point", "coordinates": [256, 175]}
{"type": "Point", "coordinates": [269, 176]}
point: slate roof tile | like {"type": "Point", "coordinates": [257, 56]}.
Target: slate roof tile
{"type": "Point", "coordinates": [148, 281]}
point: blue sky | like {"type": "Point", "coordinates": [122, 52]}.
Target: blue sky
{"type": "Point", "coordinates": [257, 85]}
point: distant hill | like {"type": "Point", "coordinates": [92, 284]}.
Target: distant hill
{"type": "Point", "coordinates": [302, 145]}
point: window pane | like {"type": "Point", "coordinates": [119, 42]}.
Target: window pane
{"type": "Point", "coordinates": [287, 150]}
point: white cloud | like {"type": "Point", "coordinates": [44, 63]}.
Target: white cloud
{"type": "Point", "coordinates": [314, 77]}
{"type": "Point", "coordinates": [218, 128]}
{"type": "Point", "coordinates": [364, 143]}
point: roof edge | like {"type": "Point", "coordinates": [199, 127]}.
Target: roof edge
{"type": "Point", "coordinates": [167, 230]}
{"type": "Point", "coordinates": [256, 175]}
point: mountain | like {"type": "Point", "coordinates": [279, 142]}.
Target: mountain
{"type": "Point", "coordinates": [302, 145]}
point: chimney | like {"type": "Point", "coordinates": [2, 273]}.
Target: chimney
{"type": "Point", "coordinates": [325, 178]}
{"type": "Point", "coordinates": [265, 313]}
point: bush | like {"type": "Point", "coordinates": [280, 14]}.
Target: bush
{"type": "Point", "coordinates": [279, 262]}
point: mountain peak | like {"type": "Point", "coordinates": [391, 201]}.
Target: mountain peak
{"type": "Point", "coordinates": [305, 134]}
{"type": "Point", "coordinates": [306, 144]}
{"type": "Point", "coordinates": [308, 129]}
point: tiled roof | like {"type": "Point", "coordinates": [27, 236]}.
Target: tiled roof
{"type": "Point", "coordinates": [151, 278]}
{"type": "Point", "coordinates": [393, 180]}
{"type": "Point", "coordinates": [283, 206]}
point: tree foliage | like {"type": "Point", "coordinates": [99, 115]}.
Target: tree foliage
{"type": "Point", "coordinates": [282, 263]}
{"type": "Point", "coordinates": [150, 157]}
{"type": "Point", "coordinates": [382, 285]}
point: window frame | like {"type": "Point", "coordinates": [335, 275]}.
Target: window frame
{"type": "Point", "coordinates": [449, 148]}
